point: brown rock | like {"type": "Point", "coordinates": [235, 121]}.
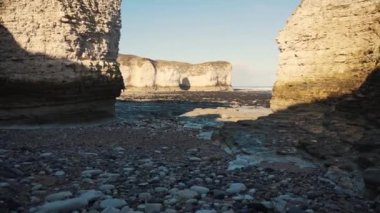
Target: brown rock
{"type": "Point", "coordinates": [328, 49]}
{"type": "Point", "coordinates": [58, 59]}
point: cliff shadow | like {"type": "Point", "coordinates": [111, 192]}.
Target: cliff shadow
{"type": "Point", "coordinates": [36, 88]}
{"type": "Point", "coordinates": [341, 132]}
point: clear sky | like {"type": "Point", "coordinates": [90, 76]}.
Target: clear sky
{"type": "Point", "coordinates": [242, 32]}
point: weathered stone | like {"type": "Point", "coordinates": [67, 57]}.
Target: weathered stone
{"type": "Point", "coordinates": [91, 173]}
{"type": "Point", "coordinates": [153, 207]}
{"type": "Point", "coordinates": [63, 206]}
{"type": "Point", "coordinates": [145, 196]}
{"type": "Point", "coordinates": [186, 194]}
{"type": "Point", "coordinates": [235, 188]}
{"type": "Point", "coordinates": [58, 196]}
{"type": "Point", "coordinates": [200, 189]}
{"type": "Point", "coordinates": [107, 188]}
{"type": "Point", "coordinates": [111, 202]}
{"type": "Point", "coordinates": [205, 211]}
{"type": "Point", "coordinates": [111, 210]}
{"type": "Point", "coordinates": [351, 182]}
{"type": "Point", "coordinates": [160, 189]}
{"type": "Point", "coordinates": [242, 197]}
{"type": "Point", "coordinates": [70, 204]}
{"type": "Point", "coordinates": [58, 59]}
{"type": "Point", "coordinates": [143, 74]}
{"type": "Point", "coordinates": [328, 49]}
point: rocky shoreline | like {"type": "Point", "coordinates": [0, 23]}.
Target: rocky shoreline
{"type": "Point", "coordinates": [151, 159]}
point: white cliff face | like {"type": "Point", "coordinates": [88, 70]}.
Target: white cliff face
{"type": "Point", "coordinates": [146, 74]}
{"type": "Point", "coordinates": [59, 40]}
{"type": "Point", "coordinates": [328, 49]}
{"type": "Point", "coordinates": [58, 57]}
{"type": "Point", "coordinates": [137, 71]}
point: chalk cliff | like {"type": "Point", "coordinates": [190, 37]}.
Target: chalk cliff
{"type": "Point", "coordinates": [58, 59]}
{"type": "Point", "coordinates": [328, 49]}
{"type": "Point", "coordinates": [143, 74]}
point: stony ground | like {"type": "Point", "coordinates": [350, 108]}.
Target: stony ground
{"type": "Point", "coordinates": [242, 97]}
{"type": "Point", "coordinates": [150, 160]}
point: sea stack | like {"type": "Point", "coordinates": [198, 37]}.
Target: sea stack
{"type": "Point", "coordinates": [144, 74]}
{"type": "Point", "coordinates": [58, 59]}
{"type": "Point", "coordinates": [328, 49]}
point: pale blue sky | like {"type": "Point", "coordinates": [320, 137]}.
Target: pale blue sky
{"type": "Point", "coordinates": [242, 32]}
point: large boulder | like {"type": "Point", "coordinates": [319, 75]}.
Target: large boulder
{"type": "Point", "coordinates": [143, 74]}
{"type": "Point", "coordinates": [58, 59]}
{"type": "Point", "coordinates": [328, 49]}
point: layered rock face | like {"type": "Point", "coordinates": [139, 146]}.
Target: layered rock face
{"type": "Point", "coordinates": [143, 74]}
{"type": "Point", "coordinates": [58, 58]}
{"type": "Point", "coordinates": [328, 49]}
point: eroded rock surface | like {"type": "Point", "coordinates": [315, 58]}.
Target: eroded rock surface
{"type": "Point", "coordinates": [328, 49]}
{"type": "Point", "coordinates": [58, 58]}
{"type": "Point", "coordinates": [143, 74]}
